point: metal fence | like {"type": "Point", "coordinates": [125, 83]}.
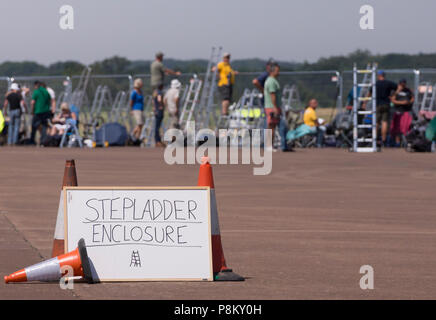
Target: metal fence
{"type": "Point", "coordinates": [414, 77]}
{"type": "Point", "coordinates": [325, 86]}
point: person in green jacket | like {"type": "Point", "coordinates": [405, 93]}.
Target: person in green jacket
{"type": "Point", "coordinates": [40, 105]}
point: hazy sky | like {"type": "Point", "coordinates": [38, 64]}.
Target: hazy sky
{"type": "Point", "coordinates": [293, 30]}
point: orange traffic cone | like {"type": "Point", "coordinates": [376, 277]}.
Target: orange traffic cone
{"type": "Point", "coordinates": [70, 180]}
{"type": "Point", "coordinates": [50, 270]}
{"type": "Point", "coordinates": [220, 270]}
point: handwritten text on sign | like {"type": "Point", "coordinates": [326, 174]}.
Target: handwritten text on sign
{"type": "Point", "coordinates": [170, 228]}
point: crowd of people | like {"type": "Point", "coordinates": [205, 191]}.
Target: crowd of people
{"type": "Point", "coordinates": [394, 106]}
{"type": "Point", "coordinates": [269, 86]}
{"type": "Point", "coordinates": [43, 111]}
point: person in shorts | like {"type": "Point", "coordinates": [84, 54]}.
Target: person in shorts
{"type": "Point", "coordinates": [272, 95]}
{"type": "Point", "coordinates": [171, 102]}
{"type": "Point", "coordinates": [226, 81]}
{"type": "Point", "coordinates": [137, 106]}
{"type": "Point", "coordinates": [403, 100]}
{"type": "Point", "coordinates": [384, 91]}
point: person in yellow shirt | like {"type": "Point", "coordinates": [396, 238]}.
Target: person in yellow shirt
{"type": "Point", "coordinates": [225, 82]}
{"type": "Point", "coordinates": [311, 125]}
{"type": "Point", "coordinates": [310, 119]}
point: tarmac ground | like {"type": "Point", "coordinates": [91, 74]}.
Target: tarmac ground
{"type": "Point", "coordinates": [302, 232]}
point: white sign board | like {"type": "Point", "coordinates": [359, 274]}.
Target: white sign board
{"type": "Point", "coordinates": [140, 234]}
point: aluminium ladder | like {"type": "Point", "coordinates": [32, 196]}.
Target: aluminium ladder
{"type": "Point", "coordinates": [207, 107]}
{"type": "Point", "coordinates": [190, 102]}
{"type": "Point", "coordinates": [364, 140]}
{"type": "Point", "coordinates": [78, 96]}
{"type": "Point", "coordinates": [428, 98]}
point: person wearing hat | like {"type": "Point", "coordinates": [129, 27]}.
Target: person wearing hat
{"type": "Point", "coordinates": [385, 90]}
{"type": "Point", "coordinates": [158, 72]}
{"type": "Point", "coordinates": [15, 101]}
{"type": "Point", "coordinates": [171, 102]}
{"type": "Point", "coordinates": [226, 81]}
{"type": "Point", "coordinates": [137, 106]}
{"type": "Point", "coordinates": [403, 100]}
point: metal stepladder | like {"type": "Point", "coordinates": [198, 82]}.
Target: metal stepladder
{"type": "Point", "coordinates": [190, 102]}
{"type": "Point", "coordinates": [78, 96]}
{"type": "Point", "coordinates": [93, 116]}
{"type": "Point", "coordinates": [364, 140]}
{"type": "Point", "coordinates": [208, 93]}
{"type": "Point", "coordinates": [427, 93]}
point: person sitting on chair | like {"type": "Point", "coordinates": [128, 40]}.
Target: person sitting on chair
{"type": "Point", "coordinates": [311, 125]}
{"type": "Point", "coordinates": [60, 120]}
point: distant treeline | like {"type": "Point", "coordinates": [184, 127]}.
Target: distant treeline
{"type": "Point", "coordinates": [120, 65]}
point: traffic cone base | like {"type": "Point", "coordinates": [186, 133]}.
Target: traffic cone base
{"type": "Point", "coordinates": [51, 269]}
{"type": "Point", "coordinates": [228, 275]}
{"type": "Point", "coordinates": [86, 267]}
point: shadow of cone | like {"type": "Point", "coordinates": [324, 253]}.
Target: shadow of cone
{"type": "Point", "coordinates": [51, 269]}
{"type": "Point", "coordinates": [70, 180]}
{"type": "Point", "coordinates": [220, 270]}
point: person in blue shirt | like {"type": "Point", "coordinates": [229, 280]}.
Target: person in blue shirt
{"type": "Point", "coordinates": [137, 105]}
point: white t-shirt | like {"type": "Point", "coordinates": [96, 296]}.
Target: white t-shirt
{"type": "Point", "coordinates": [170, 99]}
{"type": "Point", "coordinates": [51, 93]}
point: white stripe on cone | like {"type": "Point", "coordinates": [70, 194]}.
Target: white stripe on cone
{"type": "Point", "coordinates": [59, 229]}
{"type": "Point", "coordinates": [48, 270]}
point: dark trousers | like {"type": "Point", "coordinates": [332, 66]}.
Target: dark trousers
{"type": "Point", "coordinates": [158, 117]}
{"type": "Point", "coordinates": [40, 119]}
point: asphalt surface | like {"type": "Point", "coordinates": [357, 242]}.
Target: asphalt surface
{"type": "Point", "coordinates": [302, 232]}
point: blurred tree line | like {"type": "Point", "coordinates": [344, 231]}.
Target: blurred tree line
{"type": "Point", "coordinates": [120, 65]}
{"type": "Point", "coordinates": [309, 86]}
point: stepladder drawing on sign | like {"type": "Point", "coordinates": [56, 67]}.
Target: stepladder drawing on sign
{"type": "Point", "coordinates": [135, 261]}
